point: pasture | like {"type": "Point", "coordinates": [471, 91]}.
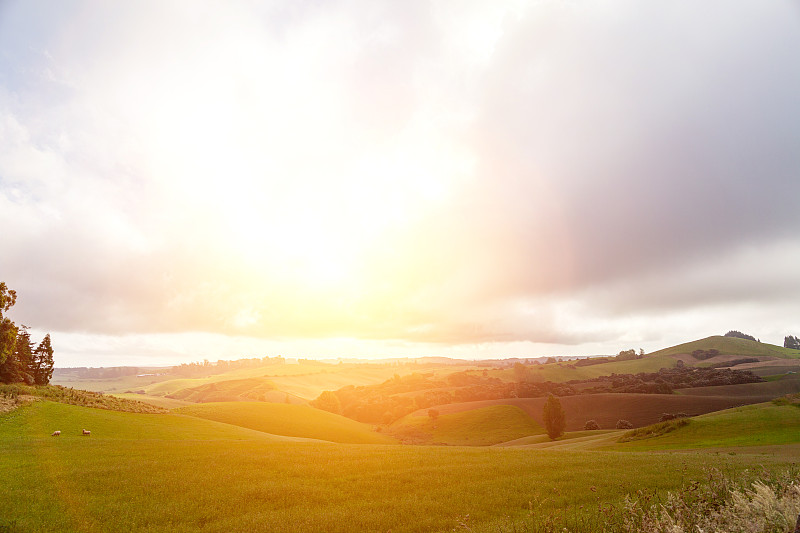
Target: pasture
{"type": "Point", "coordinates": [289, 420]}
{"type": "Point", "coordinates": [166, 472]}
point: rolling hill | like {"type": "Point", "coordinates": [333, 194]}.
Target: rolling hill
{"type": "Point", "coordinates": [476, 427]}
{"type": "Point", "coordinates": [288, 420]}
{"type": "Point", "coordinates": [731, 346]}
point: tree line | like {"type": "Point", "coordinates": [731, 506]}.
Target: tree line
{"type": "Point", "coordinates": [20, 362]}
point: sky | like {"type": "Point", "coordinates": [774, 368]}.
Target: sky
{"type": "Point", "coordinates": [188, 180]}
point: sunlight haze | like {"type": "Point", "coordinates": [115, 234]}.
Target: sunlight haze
{"type": "Point", "coordinates": [190, 180]}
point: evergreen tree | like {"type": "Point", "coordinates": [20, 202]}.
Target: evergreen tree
{"type": "Point", "coordinates": [791, 342]}
{"type": "Point", "coordinates": [43, 362]}
{"type": "Point", "coordinates": [555, 419]}
{"type": "Point", "coordinates": [23, 357]}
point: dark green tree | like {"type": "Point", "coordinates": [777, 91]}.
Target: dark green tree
{"type": "Point", "coordinates": [8, 331]}
{"type": "Point", "coordinates": [555, 420]}
{"type": "Point", "coordinates": [791, 342]}
{"type": "Point", "coordinates": [42, 362]}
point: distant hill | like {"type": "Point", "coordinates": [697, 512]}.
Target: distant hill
{"type": "Point", "coordinates": [731, 346]}
{"type": "Point", "coordinates": [233, 390]}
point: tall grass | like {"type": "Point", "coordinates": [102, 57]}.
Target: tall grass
{"type": "Point", "coordinates": [749, 502]}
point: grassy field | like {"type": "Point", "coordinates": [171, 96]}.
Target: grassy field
{"type": "Point", "coordinates": [608, 408]}
{"type": "Point", "coordinates": [165, 472]}
{"type": "Point", "coordinates": [289, 420]}
{"type": "Point", "coordinates": [477, 427]}
{"type": "Point", "coordinates": [764, 424]}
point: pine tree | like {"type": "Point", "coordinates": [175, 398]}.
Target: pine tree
{"type": "Point", "coordinates": [43, 362]}
{"type": "Point", "coordinates": [23, 357]}
{"type": "Point", "coordinates": [555, 419]}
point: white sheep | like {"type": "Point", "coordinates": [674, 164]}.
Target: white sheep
{"type": "Point", "coordinates": [87, 432]}
{"type": "Point", "coordinates": [56, 433]}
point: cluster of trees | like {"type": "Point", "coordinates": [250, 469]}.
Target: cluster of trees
{"type": "Point", "coordinates": [739, 335]}
{"type": "Point", "coordinates": [792, 342]}
{"type": "Point", "coordinates": [667, 379]}
{"type": "Point", "coordinates": [705, 354]}
{"type": "Point", "coordinates": [399, 396]}
{"type": "Point", "coordinates": [20, 362]}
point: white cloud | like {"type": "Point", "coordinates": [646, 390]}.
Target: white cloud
{"type": "Point", "coordinates": [460, 173]}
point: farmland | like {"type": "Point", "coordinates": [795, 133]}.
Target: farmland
{"type": "Point", "coordinates": [167, 472]}
{"type": "Point", "coordinates": [250, 449]}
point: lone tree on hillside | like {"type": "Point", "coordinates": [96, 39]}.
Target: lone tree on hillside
{"type": "Point", "coordinates": [555, 420]}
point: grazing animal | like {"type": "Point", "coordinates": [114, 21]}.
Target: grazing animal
{"type": "Point", "coordinates": [56, 433]}
{"type": "Point", "coordinates": [87, 432]}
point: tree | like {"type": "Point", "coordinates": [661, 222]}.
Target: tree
{"type": "Point", "coordinates": [791, 342]}
{"type": "Point", "coordinates": [328, 401]}
{"type": "Point", "coordinates": [739, 335]}
{"type": "Point", "coordinates": [17, 367]}
{"type": "Point", "coordinates": [8, 331]}
{"type": "Point", "coordinates": [555, 419]}
{"type": "Point", "coordinates": [42, 362]}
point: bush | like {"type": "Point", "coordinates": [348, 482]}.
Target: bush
{"type": "Point", "coordinates": [591, 425]}
{"type": "Point", "coordinates": [624, 424]}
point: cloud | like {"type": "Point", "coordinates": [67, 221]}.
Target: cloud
{"type": "Point", "coordinates": [458, 173]}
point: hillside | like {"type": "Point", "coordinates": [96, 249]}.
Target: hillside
{"type": "Point", "coordinates": [766, 424]}
{"type": "Point", "coordinates": [476, 427]}
{"type": "Point", "coordinates": [146, 472]}
{"type": "Point", "coordinates": [731, 346]}
{"type": "Point", "coordinates": [607, 408]}
{"type": "Point", "coordinates": [288, 420]}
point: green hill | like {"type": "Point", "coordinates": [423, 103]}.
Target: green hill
{"type": "Point", "coordinates": [731, 346]}
{"type": "Point", "coordinates": [477, 427]}
{"type": "Point", "coordinates": [289, 420]}
{"type": "Point", "coordinates": [764, 424]}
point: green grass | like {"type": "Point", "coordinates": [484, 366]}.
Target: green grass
{"type": "Point", "coordinates": [731, 346]}
{"type": "Point", "coordinates": [765, 424]}
{"type": "Point", "coordinates": [289, 420]}
{"type": "Point", "coordinates": [155, 473]}
{"type": "Point", "coordinates": [476, 427]}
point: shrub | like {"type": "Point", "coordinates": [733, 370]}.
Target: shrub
{"type": "Point", "coordinates": [591, 425]}
{"type": "Point", "coordinates": [624, 424]}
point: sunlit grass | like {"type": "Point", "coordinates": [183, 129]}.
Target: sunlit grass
{"type": "Point", "coordinates": [765, 424]}
{"type": "Point", "coordinates": [175, 473]}
{"type": "Point", "coordinates": [476, 427]}
{"type": "Point", "coordinates": [290, 420]}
